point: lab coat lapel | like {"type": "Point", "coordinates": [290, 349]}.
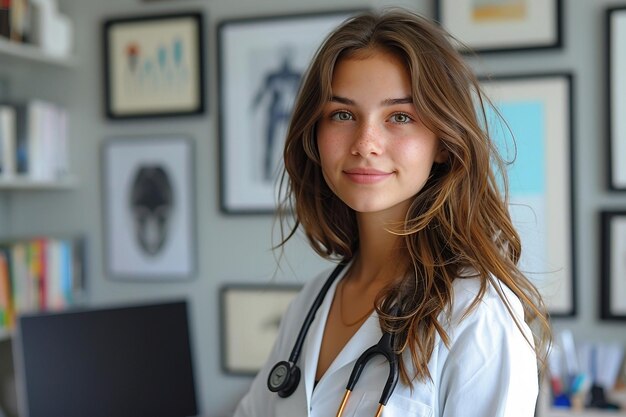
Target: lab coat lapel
{"type": "Point", "coordinates": [368, 335]}
{"type": "Point", "coordinates": [293, 405]}
{"type": "Point", "coordinates": [314, 342]}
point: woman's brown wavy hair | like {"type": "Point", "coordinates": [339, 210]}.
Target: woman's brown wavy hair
{"type": "Point", "coordinates": [459, 222]}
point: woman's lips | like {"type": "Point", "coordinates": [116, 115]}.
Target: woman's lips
{"type": "Point", "coordinates": [366, 175]}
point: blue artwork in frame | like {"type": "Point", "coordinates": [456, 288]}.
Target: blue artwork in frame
{"type": "Point", "coordinates": [536, 137]}
{"type": "Point", "coordinates": [262, 61]}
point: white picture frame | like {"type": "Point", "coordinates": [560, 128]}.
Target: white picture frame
{"type": "Point", "coordinates": [147, 185]}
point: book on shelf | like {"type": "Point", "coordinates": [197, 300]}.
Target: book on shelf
{"type": "Point", "coordinates": [37, 22]}
{"type": "Point", "coordinates": [8, 156]}
{"type": "Point", "coordinates": [6, 308]}
{"type": "Point", "coordinates": [33, 140]}
{"type": "Point", "coordinates": [51, 30]}
{"type": "Point", "coordinates": [5, 18]}
{"type": "Point", "coordinates": [15, 20]}
{"type": "Point", "coordinates": [20, 20]}
{"type": "Point", "coordinates": [39, 274]}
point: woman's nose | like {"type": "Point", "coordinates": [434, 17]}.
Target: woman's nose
{"type": "Point", "coordinates": [367, 140]}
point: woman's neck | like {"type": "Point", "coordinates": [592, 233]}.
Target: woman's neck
{"type": "Point", "coordinates": [380, 258]}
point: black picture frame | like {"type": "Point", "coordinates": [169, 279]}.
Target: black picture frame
{"type": "Point", "coordinates": [615, 23]}
{"type": "Point", "coordinates": [249, 318]}
{"type": "Point", "coordinates": [541, 178]}
{"type": "Point", "coordinates": [613, 265]}
{"type": "Point", "coordinates": [149, 181]}
{"type": "Point", "coordinates": [494, 28]}
{"type": "Point", "coordinates": [257, 54]}
{"type": "Point", "coordinates": [154, 66]}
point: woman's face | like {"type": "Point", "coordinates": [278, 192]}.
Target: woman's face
{"type": "Point", "coordinates": [376, 154]}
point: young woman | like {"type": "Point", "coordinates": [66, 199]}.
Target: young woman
{"type": "Point", "coordinates": [391, 172]}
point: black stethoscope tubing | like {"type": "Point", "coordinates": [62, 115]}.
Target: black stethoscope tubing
{"type": "Point", "coordinates": [285, 376]}
{"type": "Point", "coordinates": [308, 321]}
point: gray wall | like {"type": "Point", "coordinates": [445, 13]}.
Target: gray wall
{"type": "Point", "coordinates": [237, 248]}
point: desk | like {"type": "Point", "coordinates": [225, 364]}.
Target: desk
{"type": "Point", "coordinates": [545, 408]}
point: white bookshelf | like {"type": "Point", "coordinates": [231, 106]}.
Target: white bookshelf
{"type": "Point", "coordinates": [33, 53]}
{"type": "Point", "coordinates": [25, 183]}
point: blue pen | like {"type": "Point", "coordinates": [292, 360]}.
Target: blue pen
{"type": "Point", "coordinates": [578, 383]}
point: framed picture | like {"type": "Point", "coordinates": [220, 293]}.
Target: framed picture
{"type": "Point", "coordinates": [537, 137]}
{"type": "Point", "coordinates": [616, 93]}
{"type": "Point", "coordinates": [502, 25]}
{"type": "Point", "coordinates": [613, 265]}
{"type": "Point", "coordinates": [153, 66]}
{"type": "Point", "coordinates": [148, 202]}
{"type": "Point", "coordinates": [251, 314]}
{"type": "Point", "coordinates": [262, 61]}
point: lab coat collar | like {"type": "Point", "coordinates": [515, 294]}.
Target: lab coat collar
{"type": "Point", "coordinates": [368, 334]}
{"type": "Point", "coordinates": [314, 342]}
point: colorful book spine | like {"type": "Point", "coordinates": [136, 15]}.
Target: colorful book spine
{"type": "Point", "coordinates": [38, 274]}
{"type": "Point", "coordinates": [6, 302]}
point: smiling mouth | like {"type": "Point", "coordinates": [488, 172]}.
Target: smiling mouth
{"type": "Point", "coordinates": [360, 176]}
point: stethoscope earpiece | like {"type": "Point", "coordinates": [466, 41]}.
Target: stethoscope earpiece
{"type": "Point", "coordinates": [284, 379]}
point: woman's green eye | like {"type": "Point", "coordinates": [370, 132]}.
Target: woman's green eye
{"type": "Point", "coordinates": [342, 116]}
{"type": "Point", "coordinates": [401, 118]}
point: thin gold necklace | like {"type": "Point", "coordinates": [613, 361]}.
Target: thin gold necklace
{"type": "Point", "coordinates": [343, 321]}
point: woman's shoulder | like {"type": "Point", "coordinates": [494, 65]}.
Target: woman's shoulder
{"type": "Point", "coordinates": [490, 353]}
{"type": "Point", "coordinates": [492, 324]}
{"type": "Point", "coordinates": [496, 303]}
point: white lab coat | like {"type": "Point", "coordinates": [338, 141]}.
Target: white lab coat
{"type": "Point", "coordinates": [489, 370]}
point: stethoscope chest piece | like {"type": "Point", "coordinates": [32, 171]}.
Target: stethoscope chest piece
{"type": "Point", "coordinates": [283, 379]}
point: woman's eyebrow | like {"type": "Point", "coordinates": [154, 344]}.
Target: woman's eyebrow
{"type": "Point", "coordinates": [342, 100]}
{"type": "Point", "coordinates": [394, 101]}
{"type": "Point", "coordinates": [386, 102]}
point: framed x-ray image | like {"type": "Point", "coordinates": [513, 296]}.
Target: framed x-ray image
{"type": "Point", "coordinates": [262, 61]}
{"type": "Point", "coordinates": [147, 189]}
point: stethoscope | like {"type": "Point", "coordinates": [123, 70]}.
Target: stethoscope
{"type": "Point", "coordinates": [285, 375]}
